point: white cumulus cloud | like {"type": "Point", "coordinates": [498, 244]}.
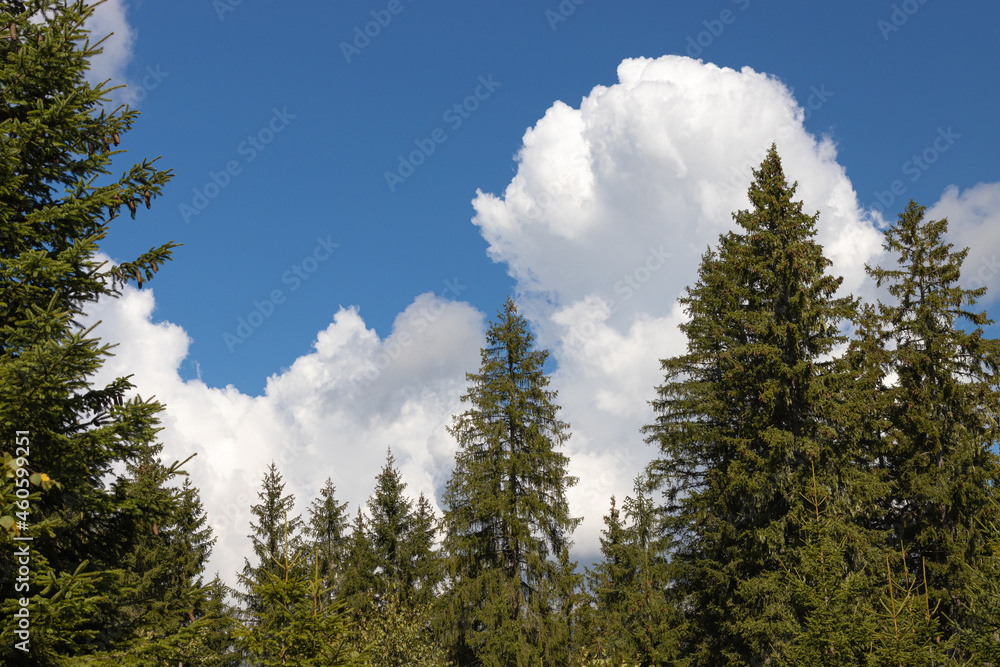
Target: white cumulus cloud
{"type": "Point", "coordinates": [602, 226]}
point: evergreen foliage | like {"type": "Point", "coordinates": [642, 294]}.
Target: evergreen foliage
{"type": "Point", "coordinates": [506, 519]}
{"type": "Point", "coordinates": [391, 554]}
{"type": "Point", "coordinates": [271, 533]}
{"type": "Point", "coordinates": [741, 418]}
{"type": "Point", "coordinates": [634, 619]}
{"type": "Point", "coordinates": [327, 535]}
{"type": "Point", "coordinates": [291, 623]}
{"type": "Point", "coordinates": [96, 590]}
{"type": "Point", "coordinates": [942, 414]}
{"type": "Point", "coordinates": [399, 635]}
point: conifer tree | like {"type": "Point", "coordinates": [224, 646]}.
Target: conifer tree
{"type": "Point", "coordinates": [273, 531]}
{"type": "Point", "coordinates": [743, 415]}
{"type": "Point", "coordinates": [358, 586]}
{"type": "Point", "coordinates": [327, 535]}
{"type": "Point", "coordinates": [422, 559]}
{"type": "Point", "coordinates": [943, 421]}
{"type": "Point", "coordinates": [834, 605]}
{"type": "Point", "coordinates": [634, 618]}
{"type": "Point", "coordinates": [391, 553]}
{"type": "Point", "coordinates": [390, 524]}
{"type": "Point", "coordinates": [292, 624]}
{"type": "Point", "coordinates": [506, 518]}
{"type": "Point", "coordinates": [57, 200]}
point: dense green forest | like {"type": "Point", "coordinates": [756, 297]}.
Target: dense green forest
{"type": "Point", "coordinates": [820, 489]}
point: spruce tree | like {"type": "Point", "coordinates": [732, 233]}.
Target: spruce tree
{"type": "Point", "coordinates": [423, 561]}
{"type": "Point", "coordinates": [833, 601]}
{"type": "Point", "coordinates": [390, 524]}
{"type": "Point", "coordinates": [327, 535]}
{"type": "Point", "coordinates": [634, 618]}
{"type": "Point", "coordinates": [507, 522]}
{"type": "Point", "coordinates": [273, 531]}
{"type": "Point", "coordinates": [742, 417]}
{"type": "Point", "coordinates": [942, 414]}
{"type": "Point", "coordinates": [391, 553]}
{"type": "Point", "coordinates": [292, 623]}
{"type": "Point", "coordinates": [57, 200]}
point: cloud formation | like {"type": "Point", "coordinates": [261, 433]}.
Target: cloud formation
{"type": "Point", "coordinates": [603, 225]}
{"type": "Point", "coordinates": [109, 20]}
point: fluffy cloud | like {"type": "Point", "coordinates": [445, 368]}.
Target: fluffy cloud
{"type": "Point", "coordinates": [603, 225]}
{"type": "Point", "coordinates": [606, 219]}
{"type": "Point", "coordinates": [974, 223]}
{"type": "Point", "coordinates": [332, 414]}
{"type": "Point", "coordinates": [109, 20]}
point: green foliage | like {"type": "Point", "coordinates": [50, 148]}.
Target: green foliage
{"type": "Point", "coordinates": [942, 418]}
{"type": "Point", "coordinates": [633, 619]}
{"type": "Point", "coordinates": [830, 598]}
{"type": "Point", "coordinates": [507, 521]}
{"type": "Point", "coordinates": [269, 535]}
{"type": "Point", "coordinates": [291, 624]}
{"type": "Point", "coordinates": [112, 577]}
{"type": "Point", "coordinates": [327, 535]}
{"type": "Point", "coordinates": [392, 553]}
{"type": "Point", "coordinates": [740, 418]}
{"type": "Point", "coordinates": [398, 635]}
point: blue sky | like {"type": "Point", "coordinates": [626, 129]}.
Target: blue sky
{"type": "Point", "coordinates": [281, 123]}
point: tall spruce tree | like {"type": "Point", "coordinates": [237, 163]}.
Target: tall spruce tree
{"type": "Point", "coordinates": [57, 200]}
{"type": "Point", "coordinates": [423, 561]}
{"type": "Point", "coordinates": [358, 585]}
{"type": "Point", "coordinates": [507, 520]}
{"type": "Point", "coordinates": [943, 422]}
{"type": "Point", "coordinates": [390, 524]}
{"type": "Point", "coordinates": [742, 417]}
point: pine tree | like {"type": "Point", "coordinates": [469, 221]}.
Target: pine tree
{"type": "Point", "coordinates": [836, 622]}
{"type": "Point", "coordinates": [390, 525]}
{"type": "Point", "coordinates": [506, 518]}
{"type": "Point", "coordinates": [57, 199]}
{"type": "Point", "coordinates": [422, 559]}
{"type": "Point", "coordinates": [743, 415]}
{"type": "Point", "coordinates": [327, 535]}
{"type": "Point", "coordinates": [942, 414]}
